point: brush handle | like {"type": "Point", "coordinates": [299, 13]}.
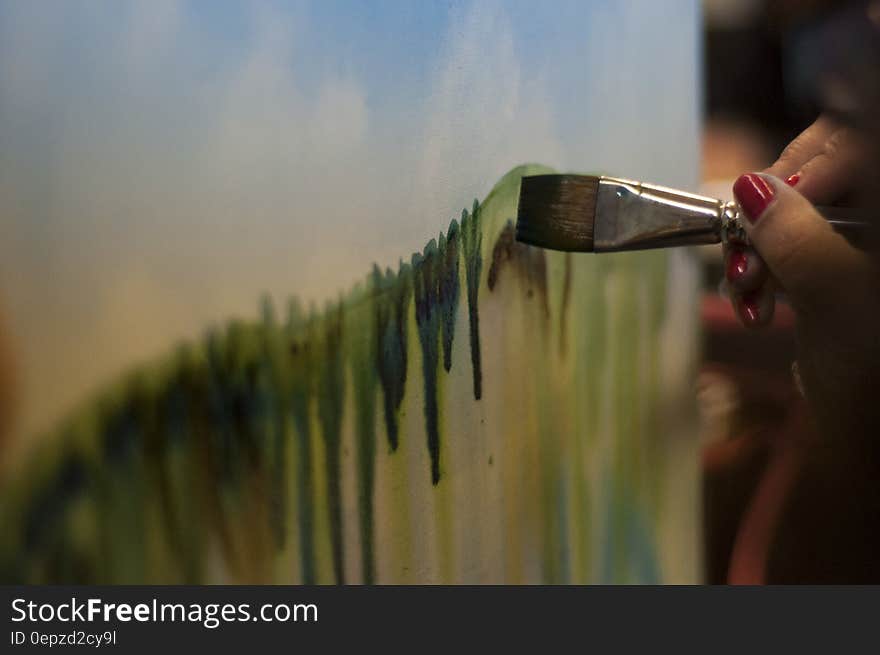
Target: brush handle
{"type": "Point", "coordinates": [850, 222]}
{"type": "Point", "coordinates": [632, 215]}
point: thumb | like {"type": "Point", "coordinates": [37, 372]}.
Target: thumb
{"type": "Point", "coordinates": [809, 260]}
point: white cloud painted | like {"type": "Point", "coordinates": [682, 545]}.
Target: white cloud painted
{"type": "Point", "coordinates": [484, 114]}
{"type": "Point", "coordinates": [143, 198]}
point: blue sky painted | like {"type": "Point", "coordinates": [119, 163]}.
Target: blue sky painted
{"type": "Point", "coordinates": [162, 163]}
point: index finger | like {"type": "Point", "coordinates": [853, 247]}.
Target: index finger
{"type": "Point", "coordinates": [806, 145]}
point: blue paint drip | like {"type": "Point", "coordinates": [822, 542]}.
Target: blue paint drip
{"type": "Point", "coordinates": [392, 303]}
{"type": "Point", "coordinates": [428, 323]}
{"type": "Point", "coordinates": [449, 290]}
{"type": "Point", "coordinates": [472, 242]}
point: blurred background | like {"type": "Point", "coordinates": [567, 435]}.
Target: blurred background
{"type": "Point", "coordinates": [768, 497]}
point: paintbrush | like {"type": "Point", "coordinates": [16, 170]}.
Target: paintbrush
{"type": "Point", "coordinates": [584, 213]}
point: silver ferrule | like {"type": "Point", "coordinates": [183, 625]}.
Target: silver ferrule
{"type": "Point", "coordinates": [631, 215]}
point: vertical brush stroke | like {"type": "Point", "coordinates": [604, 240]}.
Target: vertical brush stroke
{"type": "Point", "coordinates": [566, 301]}
{"type": "Point", "coordinates": [181, 471]}
{"type": "Point", "coordinates": [275, 422]}
{"type": "Point", "coordinates": [365, 381]}
{"type": "Point", "coordinates": [392, 297]}
{"type": "Point", "coordinates": [331, 400]}
{"type": "Point", "coordinates": [472, 242]}
{"type": "Point", "coordinates": [425, 285]}
{"type": "Point", "coordinates": [301, 370]}
{"type": "Point", "coordinates": [448, 290]}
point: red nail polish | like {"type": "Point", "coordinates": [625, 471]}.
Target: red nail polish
{"type": "Point", "coordinates": [793, 179]}
{"type": "Point", "coordinates": [737, 265]}
{"type": "Point", "coordinates": [750, 307]}
{"type": "Point", "coordinates": [753, 194]}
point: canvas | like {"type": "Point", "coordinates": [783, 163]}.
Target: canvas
{"type": "Point", "coordinates": [480, 411]}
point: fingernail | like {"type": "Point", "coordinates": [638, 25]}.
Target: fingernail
{"type": "Point", "coordinates": [737, 265]}
{"type": "Point", "coordinates": [750, 307]}
{"type": "Point", "coordinates": [793, 179]}
{"type": "Point", "coordinates": [753, 194]}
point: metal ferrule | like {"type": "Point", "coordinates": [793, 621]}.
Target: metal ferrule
{"type": "Point", "coordinates": [632, 215]}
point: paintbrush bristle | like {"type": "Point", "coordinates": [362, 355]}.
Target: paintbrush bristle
{"type": "Point", "coordinates": [557, 211]}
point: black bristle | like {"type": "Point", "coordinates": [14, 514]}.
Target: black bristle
{"type": "Point", "coordinates": [557, 211]}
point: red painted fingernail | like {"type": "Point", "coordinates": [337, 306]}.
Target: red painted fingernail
{"type": "Point", "coordinates": [737, 265]}
{"type": "Point", "coordinates": [750, 307]}
{"type": "Point", "coordinates": [793, 179]}
{"type": "Point", "coordinates": [753, 194]}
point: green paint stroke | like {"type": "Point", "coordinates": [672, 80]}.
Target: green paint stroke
{"type": "Point", "coordinates": [425, 286]}
{"type": "Point", "coordinates": [564, 304]}
{"type": "Point", "coordinates": [392, 296]}
{"type": "Point", "coordinates": [436, 292]}
{"type": "Point", "coordinates": [448, 290]}
{"type": "Point", "coordinates": [472, 242]}
{"type": "Point", "coordinates": [172, 455]}
{"type": "Point", "coordinates": [199, 442]}
{"type": "Point", "coordinates": [301, 366]}
{"type": "Point", "coordinates": [331, 401]}
{"type": "Point", "coordinates": [272, 385]}
{"type": "Point", "coordinates": [365, 380]}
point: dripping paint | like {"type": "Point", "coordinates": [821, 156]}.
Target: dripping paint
{"type": "Point", "coordinates": [272, 319]}
{"type": "Point", "coordinates": [245, 434]}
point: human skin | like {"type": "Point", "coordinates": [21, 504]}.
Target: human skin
{"type": "Point", "coordinates": [826, 529]}
{"type": "Point", "coordinates": [831, 285]}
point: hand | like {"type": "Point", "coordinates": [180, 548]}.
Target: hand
{"type": "Point", "coordinates": [832, 287]}
{"type": "Point", "coordinates": [821, 163]}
